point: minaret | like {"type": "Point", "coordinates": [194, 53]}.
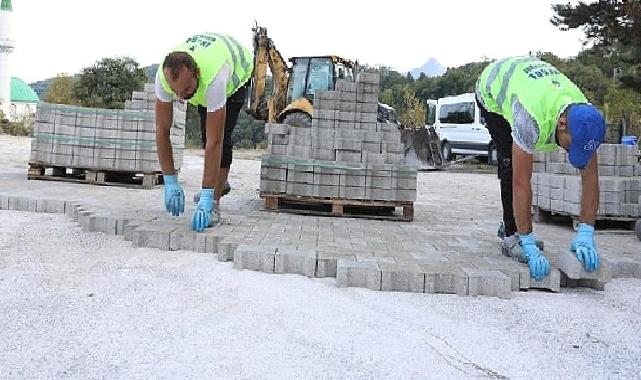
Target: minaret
{"type": "Point", "coordinates": [6, 48]}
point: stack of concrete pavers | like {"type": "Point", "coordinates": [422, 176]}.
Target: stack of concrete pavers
{"type": "Point", "coordinates": [104, 139]}
{"type": "Point", "coordinates": [556, 185]}
{"type": "Point", "coordinates": [146, 100]}
{"type": "Point", "coordinates": [345, 154]}
{"type": "Point", "coordinates": [408, 270]}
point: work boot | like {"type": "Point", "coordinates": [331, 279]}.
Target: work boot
{"type": "Point", "coordinates": [501, 232]}
{"type": "Point", "coordinates": [226, 190]}
{"type": "Point", "coordinates": [510, 247]}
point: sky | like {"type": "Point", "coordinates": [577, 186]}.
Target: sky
{"type": "Point", "coordinates": [64, 36]}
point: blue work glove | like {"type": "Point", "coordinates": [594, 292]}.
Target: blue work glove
{"type": "Point", "coordinates": [539, 265]}
{"type": "Point", "coordinates": [174, 195]}
{"type": "Point", "coordinates": [584, 248]}
{"type": "Point", "coordinates": [202, 215]}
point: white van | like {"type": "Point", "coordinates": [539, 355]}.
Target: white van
{"type": "Point", "coordinates": [460, 127]}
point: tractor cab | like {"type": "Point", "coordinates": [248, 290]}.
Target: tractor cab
{"type": "Point", "coordinates": [309, 74]}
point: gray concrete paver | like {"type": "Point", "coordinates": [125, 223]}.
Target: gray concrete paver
{"type": "Point", "coordinates": [444, 236]}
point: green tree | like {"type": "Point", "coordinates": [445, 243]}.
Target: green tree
{"type": "Point", "coordinates": [409, 78]}
{"type": "Point", "coordinates": [605, 58]}
{"type": "Point", "coordinates": [414, 109]}
{"type": "Point", "coordinates": [427, 87]}
{"type": "Point", "coordinates": [614, 27]}
{"type": "Point", "coordinates": [390, 78]}
{"type": "Point", "coordinates": [393, 97]}
{"type": "Point", "coordinates": [455, 81]}
{"type": "Point", "coordinates": [623, 106]}
{"type": "Point", "coordinates": [109, 82]}
{"type": "Point", "coordinates": [61, 90]}
{"type": "Point", "coordinates": [590, 79]}
{"type": "Point", "coordinates": [459, 80]}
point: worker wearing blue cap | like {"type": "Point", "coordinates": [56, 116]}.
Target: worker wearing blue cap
{"type": "Point", "coordinates": [528, 105]}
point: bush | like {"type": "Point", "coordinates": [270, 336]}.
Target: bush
{"type": "Point", "coordinates": [18, 128]}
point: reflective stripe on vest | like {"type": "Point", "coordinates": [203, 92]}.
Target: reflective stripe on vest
{"type": "Point", "coordinates": [508, 75]}
{"type": "Point", "coordinates": [234, 49]}
{"type": "Point", "coordinates": [493, 74]}
{"type": "Point", "coordinates": [210, 52]}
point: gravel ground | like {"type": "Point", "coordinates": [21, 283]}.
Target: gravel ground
{"type": "Point", "coordinates": [81, 305]}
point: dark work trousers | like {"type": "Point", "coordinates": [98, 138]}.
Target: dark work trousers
{"type": "Point", "coordinates": [501, 133]}
{"type": "Point", "coordinates": [232, 109]}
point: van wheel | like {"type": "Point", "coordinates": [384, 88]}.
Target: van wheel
{"type": "Point", "coordinates": [446, 151]}
{"type": "Point", "coordinates": [493, 155]}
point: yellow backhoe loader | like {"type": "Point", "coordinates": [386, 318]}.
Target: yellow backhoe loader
{"type": "Point", "coordinates": [292, 94]}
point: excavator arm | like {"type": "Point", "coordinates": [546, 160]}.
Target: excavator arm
{"type": "Point", "coordinates": [265, 107]}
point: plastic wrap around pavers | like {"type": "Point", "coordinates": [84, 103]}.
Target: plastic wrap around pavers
{"type": "Point", "coordinates": [105, 139]}
{"type": "Point", "coordinates": [322, 248]}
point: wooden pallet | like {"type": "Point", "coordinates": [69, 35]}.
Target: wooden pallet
{"type": "Point", "coordinates": [134, 180]}
{"type": "Point", "coordinates": [381, 210]}
{"type": "Point", "coordinates": [604, 222]}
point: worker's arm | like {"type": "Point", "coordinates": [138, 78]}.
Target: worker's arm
{"type": "Point", "coordinates": [583, 245]}
{"type": "Point", "coordinates": [215, 129]}
{"type": "Point", "coordinates": [522, 204]}
{"type": "Point", "coordinates": [164, 118]}
{"type": "Point", "coordinates": [522, 189]}
{"type": "Point", "coordinates": [173, 192]}
{"type": "Point", "coordinates": [590, 191]}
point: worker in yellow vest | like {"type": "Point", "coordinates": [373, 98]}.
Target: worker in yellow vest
{"type": "Point", "coordinates": [211, 71]}
{"type": "Point", "coordinates": [528, 106]}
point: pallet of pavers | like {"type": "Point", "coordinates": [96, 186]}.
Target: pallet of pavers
{"type": "Point", "coordinates": [556, 185]}
{"type": "Point", "coordinates": [345, 164]}
{"type": "Point", "coordinates": [103, 146]}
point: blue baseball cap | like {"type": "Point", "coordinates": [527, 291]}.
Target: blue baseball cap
{"type": "Point", "coordinates": [587, 128]}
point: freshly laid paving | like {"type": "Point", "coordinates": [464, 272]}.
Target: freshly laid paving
{"type": "Point", "coordinates": [450, 247]}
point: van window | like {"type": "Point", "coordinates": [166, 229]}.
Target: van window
{"type": "Point", "coordinates": [457, 113]}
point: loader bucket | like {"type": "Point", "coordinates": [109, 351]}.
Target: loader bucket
{"type": "Point", "coordinates": [422, 148]}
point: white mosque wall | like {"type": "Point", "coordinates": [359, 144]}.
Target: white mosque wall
{"type": "Point", "coordinates": [6, 48]}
